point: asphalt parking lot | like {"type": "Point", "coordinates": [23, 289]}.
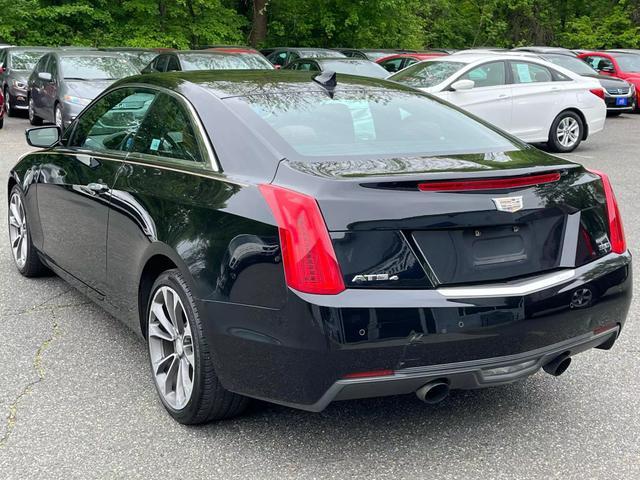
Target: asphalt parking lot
{"type": "Point", "coordinates": [77, 399]}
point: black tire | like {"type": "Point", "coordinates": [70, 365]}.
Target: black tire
{"type": "Point", "coordinates": [613, 114]}
{"type": "Point", "coordinates": [12, 112]}
{"type": "Point", "coordinates": [34, 119]}
{"type": "Point", "coordinates": [209, 399]}
{"type": "Point", "coordinates": [33, 266]}
{"type": "Point", "coordinates": [1, 122]}
{"type": "Point", "coordinates": [554, 144]}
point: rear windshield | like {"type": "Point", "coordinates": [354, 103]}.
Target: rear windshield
{"type": "Point", "coordinates": [25, 60]}
{"type": "Point", "coordinates": [220, 62]}
{"type": "Point", "coordinates": [93, 67]}
{"type": "Point", "coordinates": [372, 123]}
{"type": "Point", "coordinates": [365, 68]}
{"type": "Point", "coordinates": [377, 55]}
{"type": "Point", "coordinates": [571, 63]}
{"type": "Point", "coordinates": [427, 74]}
{"type": "Point", "coordinates": [256, 61]}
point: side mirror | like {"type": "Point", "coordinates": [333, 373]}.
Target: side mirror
{"type": "Point", "coordinates": [2, 69]}
{"type": "Point", "coordinates": [462, 85]}
{"type": "Point", "coordinates": [46, 76]}
{"type": "Point", "coordinates": [43, 137]}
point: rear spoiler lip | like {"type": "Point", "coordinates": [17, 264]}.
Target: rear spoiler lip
{"type": "Point", "coordinates": [477, 174]}
{"type": "Point", "coordinates": [426, 175]}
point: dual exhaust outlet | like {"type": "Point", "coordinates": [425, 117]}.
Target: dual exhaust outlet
{"type": "Point", "coordinates": [437, 390]}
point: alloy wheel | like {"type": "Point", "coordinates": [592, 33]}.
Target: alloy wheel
{"type": "Point", "coordinates": [18, 230]}
{"type": "Point", "coordinates": [58, 117]}
{"type": "Point", "coordinates": [171, 348]}
{"type": "Point", "coordinates": [32, 114]}
{"type": "Point", "coordinates": [568, 132]}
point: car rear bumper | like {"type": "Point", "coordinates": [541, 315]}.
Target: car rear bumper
{"type": "Point", "coordinates": [463, 375]}
{"type": "Point", "coordinates": [300, 355]}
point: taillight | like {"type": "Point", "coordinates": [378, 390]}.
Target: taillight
{"type": "Point", "coordinates": [598, 92]}
{"type": "Point", "coordinates": [371, 374]}
{"type": "Point", "coordinates": [308, 257]}
{"type": "Point", "coordinates": [616, 230]}
{"type": "Point", "coordinates": [489, 184]}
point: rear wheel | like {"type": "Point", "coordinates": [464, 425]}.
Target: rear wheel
{"type": "Point", "coordinates": [180, 358]}
{"type": "Point", "coordinates": [24, 254]}
{"type": "Point", "coordinates": [566, 132]}
{"type": "Point", "coordinates": [33, 118]}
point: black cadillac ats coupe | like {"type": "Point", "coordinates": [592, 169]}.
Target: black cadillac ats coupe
{"type": "Point", "coordinates": [302, 239]}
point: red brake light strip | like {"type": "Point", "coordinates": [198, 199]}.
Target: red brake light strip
{"type": "Point", "coordinates": [489, 184]}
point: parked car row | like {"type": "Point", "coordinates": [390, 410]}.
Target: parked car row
{"type": "Point", "coordinates": [539, 94]}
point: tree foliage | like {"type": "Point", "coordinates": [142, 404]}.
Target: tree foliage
{"type": "Point", "coordinates": [357, 23]}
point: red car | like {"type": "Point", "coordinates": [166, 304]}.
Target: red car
{"type": "Point", "coordinates": [395, 63]}
{"type": "Point", "coordinates": [615, 64]}
{"type": "Point", "coordinates": [1, 110]}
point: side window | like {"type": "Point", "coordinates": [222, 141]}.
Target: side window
{"type": "Point", "coordinates": [161, 63]}
{"type": "Point", "coordinates": [173, 65]}
{"type": "Point", "coordinates": [392, 65]}
{"type": "Point", "coordinates": [111, 123]}
{"type": "Point", "coordinates": [604, 64]}
{"type": "Point", "coordinates": [41, 65]}
{"type": "Point", "coordinates": [591, 61]}
{"type": "Point", "coordinates": [559, 77]}
{"type": "Point", "coordinates": [52, 67]}
{"type": "Point", "coordinates": [487, 75]}
{"type": "Point", "coordinates": [167, 131]}
{"type": "Point", "coordinates": [410, 61]}
{"type": "Point", "coordinates": [530, 73]}
{"type": "Point", "coordinates": [3, 58]}
{"type": "Point", "coordinates": [279, 58]}
{"type": "Point", "coordinates": [306, 67]}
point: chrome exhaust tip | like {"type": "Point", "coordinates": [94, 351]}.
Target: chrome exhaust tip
{"type": "Point", "coordinates": [433, 392]}
{"type": "Point", "coordinates": [558, 365]}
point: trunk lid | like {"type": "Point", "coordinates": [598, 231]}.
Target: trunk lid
{"type": "Point", "coordinates": [387, 233]}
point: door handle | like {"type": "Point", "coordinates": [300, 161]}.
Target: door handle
{"type": "Point", "coordinates": [503, 95]}
{"type": "Point", "coordinates": [97, 187]}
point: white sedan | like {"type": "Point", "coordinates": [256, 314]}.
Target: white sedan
{"type": "Point", "coordinates": [530, 98]}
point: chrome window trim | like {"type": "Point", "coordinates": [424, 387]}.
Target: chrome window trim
{"type": "Point", "coordinates": [205, 173]}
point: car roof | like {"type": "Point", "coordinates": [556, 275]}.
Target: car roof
{"type": "Point", "coordinates": [28, 49]}
{"type": "Point", "coordinates": [84, 53]}
{"type": "Point", "coordinates": [215, 53]}
{"type": "Point", "coordinates": [336, 59]}
{"type": "Point", "coordinates": [472, 57]}
{"type": "Point", "coordinates": [534, 49]}
{"type": "Point", "coordinates": [243, 50]}
{"type": "Point", "coordinates": [418, 55]}
{"type": "Point", "coordinates": [234, 83]}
